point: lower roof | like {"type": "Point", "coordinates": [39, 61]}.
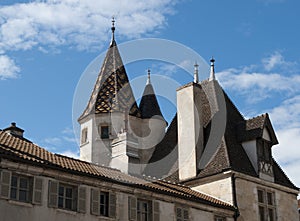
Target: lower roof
{"type": "Point", "coordinates": [13, 148]}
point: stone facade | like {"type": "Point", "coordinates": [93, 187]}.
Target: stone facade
{"type": "Point", "coordinates": [165, 205]}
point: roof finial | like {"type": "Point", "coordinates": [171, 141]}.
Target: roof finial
{"type": "Point", "coordinates": [196, 77]}
{"type": "Point", "coordinates": [212, 69]}
{"type": "Point", "coordinates": [113, 28]}
{"type": "Point", "coordinates": [148, 77]}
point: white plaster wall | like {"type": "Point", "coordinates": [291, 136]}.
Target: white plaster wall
{"type": "Point", "coordinates": [266, 134]}
{"type": "Point", "coordinates": [205, 215]}
{"type": "Point", "coordinates": [86, 148]}
{"type": "Point", "coordinates": [98, 150]}
{"type": "Point", "coordinates": [189, 126]}
{"type": "Point", "coordinates": [221, 189]}
{"type": "Point", "coordinates": [251, 150]}
{"type": "Point", "coordinates": [167, 211]}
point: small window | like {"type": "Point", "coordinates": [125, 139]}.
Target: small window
{"type": "Point", "coordinates": [220, 218]}
{"type": "Point", "coordinates": [260, 194]}
{"type": "Point", "coordinates": [66, 197]}
{"type": "Point", "coordinates": [20, 188]}
{"type": "Point", "coordinates": [266, 205]}
{"type": "Point", "coordinates": [84, 135]}
{"type": "Point", "coordinates": [103, 203]}
{"type": "Point", "coordinates": [143, 210]}
{"type": "Point", "coordinates": [104, 130]}
{"type": "Point", "coordinates": [182, 214]}
{"type": "Point", "coordinates": [264, 150]}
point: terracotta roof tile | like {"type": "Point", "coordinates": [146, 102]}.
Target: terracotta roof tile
{"type": "Point", "coordinates": [15, 148]}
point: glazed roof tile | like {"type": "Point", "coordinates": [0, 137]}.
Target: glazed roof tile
{"type": "Point", "coordinates": [112, 91]}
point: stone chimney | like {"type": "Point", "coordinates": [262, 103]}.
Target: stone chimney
{"type": "Point", "coordinates": [125, 154]}
{"type": "Point", "coordinates": [14, 130]}
{"type": "Point", "coordinates": [190, 129]}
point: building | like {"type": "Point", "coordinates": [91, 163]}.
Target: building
{"type": "Point", "coordinates": [209, 164]}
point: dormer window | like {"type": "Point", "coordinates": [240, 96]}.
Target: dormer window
{"type": "Point", "coordinates": [264, 156]}
{"type": "Point", "coordinates": [264, 150]}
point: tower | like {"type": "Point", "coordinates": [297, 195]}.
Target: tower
{"type": "Point", "coordinates": [153, 123]}
{"type": "Point", "coordinates": [110, 109]}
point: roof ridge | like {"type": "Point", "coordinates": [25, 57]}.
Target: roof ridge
{"type": "Point", "coordinates": [258, 116]}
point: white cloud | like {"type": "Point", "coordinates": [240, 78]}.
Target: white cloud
{"type": "Point", "coordinates": [274, 77]}
{"type": "Point", "coordinates": [274, 74]}
{"type": "Point", "coordinates": [68, 130]}
{"type": "Point", "coordinates": [274, 60]}
{"type": "Point", "coordinates": [287, 153]}
{"type": "Point", "coordinates": [70, 153]}
{"type": "Point", "coordinates": [8, 68]}
{"type": "Point", "coordinates": [82, 24]}
{"type": "Point", "coordinates": [263, 85]}
{"type": "Point", "coordinates": [78, 23]}
{"type": "Point", "coordinates": [53, 141]}
{"type": "Point", "coordinates": [287, 115]}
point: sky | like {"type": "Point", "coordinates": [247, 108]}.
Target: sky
{"type": "Point", "coordinates": [47, 45]}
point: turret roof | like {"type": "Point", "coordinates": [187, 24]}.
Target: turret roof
{"type": "Point", "coordinates": [112, 91]}
{"type": "Point", "coordinates": [149, 106]}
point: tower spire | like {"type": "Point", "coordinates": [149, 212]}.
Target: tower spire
{"type": "Point", "coordinates": [212, 69]}
{"type": "Point", "coordinates": [148, 77]}
{"type": "Point", "coordinates": [113, 28]}
{"type": "Point", "coordinates": [196, 75]}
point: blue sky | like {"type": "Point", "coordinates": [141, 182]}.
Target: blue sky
{"type": "Point", "coordinates": [45, 46]}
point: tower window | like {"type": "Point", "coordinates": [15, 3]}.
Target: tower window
{"type": "Point", "coordinates": [104, 131]}
{"type": "Point", "coordinates": [84, 135]}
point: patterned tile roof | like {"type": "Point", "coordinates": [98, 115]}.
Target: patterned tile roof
{"type": "Point", "coordinates": [112, 91]}
{"type": "Point", "coordinates": [20, 150]}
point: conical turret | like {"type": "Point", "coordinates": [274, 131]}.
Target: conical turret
{"type": "Point", "coordinates": [112, 91]}
{"type": "Point", "coordinates": [149, 106]}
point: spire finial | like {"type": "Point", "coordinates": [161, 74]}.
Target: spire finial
{"type": "Point", "coordinates": [196, 75]}
{"type": "Point", "coordinates": [148, 77]}
{"type": "Point", "coordinates": [113, 27]}
{"type": "Point", "coordinates": [212, 69]}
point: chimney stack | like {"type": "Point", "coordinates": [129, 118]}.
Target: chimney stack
{"type": "Point", "coordinates": [14, 130]}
